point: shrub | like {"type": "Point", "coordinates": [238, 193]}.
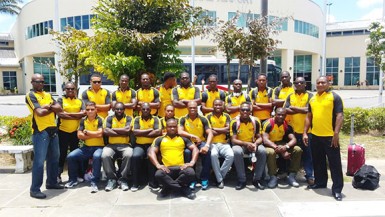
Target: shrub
{"type": "Point", "coordinates": [361, 120]}
{"type": "Point", "coordinates": [20, 131]}
{"type": "Point", "coordinates": [377, 119]}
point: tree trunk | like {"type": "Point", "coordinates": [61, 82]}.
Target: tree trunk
{"type": "Point", "coordinates": [250, 72]}
{"type": "Point", "coordinates": [239, 68]}
{"type": "Point", "coordinates": [228, 74]}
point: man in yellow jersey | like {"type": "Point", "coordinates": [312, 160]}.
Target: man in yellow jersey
{"type": "Point", "coordinates": [297, 105]}
{"type": "Point", "coordinates": [172, 172]}
{"type": "Point", "coordinates": [281, 92]}
{"type": "Point", "coordinates": [68, 122]}
{"type": "Point", "coordinates": [220, 123]}
{"type": "Point", "coordinates": [91, 131]}
{"type": "Point", "coordinates": [235, 99]}
{"type": "Point", "coordinates": [100, 96]}
{"type": "Point", "coordinates": [169, 82]}
{"type": "Point", "coordinates": [44, 138]}
{"type": "Point", "coordinates": [147, 94]}
{"type": "Point", "coordinates": [212, 93]}
{"type": "Point", "coordinates": [117, 128]}
{"type": "Point", "coordinates": [125, 95]}
{"type": "Point", "coordinates": [261, 99]}
{"type": "Point", "coordinates": [325, 116]}
{"type": "Point", "coordinates": [279, 140]}
{"type": "Point", "coordinates": [145, 128]}
{"type": "Point", "coordinates": [183, 94]}
{"type": "Point", "coordinates": [246, 138]}
{"type": "Point", "coordinates": [169, 112]}
{"type": "Point", "coordinates": [198, 129]}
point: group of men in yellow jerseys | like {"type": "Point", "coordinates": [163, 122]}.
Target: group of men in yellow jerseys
{"type": "Point", "coordinates": [172, 133]}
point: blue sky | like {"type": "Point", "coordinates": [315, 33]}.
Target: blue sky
{"type": "Point", "coordinates": [340, 10]}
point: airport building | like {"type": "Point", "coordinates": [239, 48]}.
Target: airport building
{"type": "Point", "coordinates": [29, 47]}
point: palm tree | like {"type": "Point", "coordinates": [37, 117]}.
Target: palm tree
{"type": "Point", "coordinates": [10, 6]}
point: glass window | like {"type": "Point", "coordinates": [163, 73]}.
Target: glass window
{"type": "Point", "coordinates": [352, 71]}
{"type": "Point", "coordinates": [70, 21]}
{"type": "Point", "coordinates": [63, 24]}
{"type": "Point", "coordinates": [332, 70]}
{"type": "Point", "coordinates": [303, 68]}
{"type": "Point", "coordinates": [9, 80]}
{"type": "Point", "coordinates": [85, 22]}
{"type": "Point", "coordinates": [41, 29]}
{"type": "Point", "coordinates": [306, 28]}
{"type": "Point", "coordinates": [372, 72]}
{"type": "Point", "coordinates": [78, 22]}
{"type": "Point", "coordinates": [42, 65]}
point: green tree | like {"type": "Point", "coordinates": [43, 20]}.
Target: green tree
{"type": "Point", "coordinates": [375, 47]}
{"type": "Point", "coordinates": [74, 51]}
{"type": "Point", "coordinates": [227, 36]}
{"type": "Point", "coordinates": [10, 6]}
{"type": "Point", "coordinates": [129, 32]}
{"type": "Point", "coordinates": [259, 42]}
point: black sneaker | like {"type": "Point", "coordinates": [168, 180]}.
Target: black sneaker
{"type": "Point", "coordinates": [153, 187]}
{"type": "Point", "coordinates": [56, 186]}
{"type": "Point", "coordinates": [164, 192]}
{"type": "Point", "coordinates": [240, 186]}
{"type": "Point", "coordinates": [186, 191]}
{"type": "Point", "coordinates": [37, 195]}
{"type": "Point", "coordinates": [259, 184]}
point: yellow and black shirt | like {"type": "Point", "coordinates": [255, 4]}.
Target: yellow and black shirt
{"type": "Point", "coordinates": [140, 124]}
{"type": "Point", "coordinates": [324, 109]}
{"type": "Point", "coordinates": [180, 93]}
{"type": "Point", "coordinates": [148, 95]}
{"type": "Point", "coordinates": [234, 100]}
{"type": "Point", "coordinates": [282, 92]}
{"type": "Point", "coordinates": [208, 97]}
{"type": "Point", "coordinates": [112, 122]}
{"type": "Point", "coordinates": [219, 122]}
{"type": "Point", "coordinates": [102, 97]}
{"type": "Point", "coordinates": [36, 100]}
{"type": "Point", "coordinates": [198, 126]}
{"type": "Point", "coordinates": [172, 149]}
{"type": "Point", "coordinates": [277, 133]}
{"type": "Point", "coordinates": [165, 99]}
{"type": "Point", "coordinates": [69, 105]}
{"type": "Point", "coordinates": [125, 97]}
{"type": "Point", "coordinates": [297, 121]}
{"type": "Point", "coordinates": [264, 96]}
{"type": "Point", "coordinates": [245, 131]}
{"type": "Point", "coordinates": [93, 125]}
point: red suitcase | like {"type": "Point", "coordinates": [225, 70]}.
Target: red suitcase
{"type": "Point", "coordinates": [356, 153]}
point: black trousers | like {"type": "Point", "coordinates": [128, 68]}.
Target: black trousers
{"type": "Point", "coordinates": [176, 179]}
{"type": "Point", "coordinates": [321, 148]}
{"type": "Point", "coordinates": [138, 156]}
{"type": "Point", "coordinates": [66, 140]}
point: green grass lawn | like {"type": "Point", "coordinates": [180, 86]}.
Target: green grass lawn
{"type": "Point", "coordinates": [374, 145]}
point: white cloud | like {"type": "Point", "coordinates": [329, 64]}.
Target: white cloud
{"type": "Point", "coordinates": [373, 14]}
{"type": "Point", "coordinates": [368, 3]}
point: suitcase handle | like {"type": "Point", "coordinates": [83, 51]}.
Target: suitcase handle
{"type": "Point", "coordinates": [351, 129]}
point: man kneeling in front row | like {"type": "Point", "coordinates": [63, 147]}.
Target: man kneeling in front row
{"type": "Point", "coordinates": [173, 174]}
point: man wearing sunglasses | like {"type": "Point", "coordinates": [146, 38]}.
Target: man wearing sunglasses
{"type": "Point", "coordinates": [297, 105]}
{"type": "Point", "coordinates": [95, 93]}
{"type": "Point", "coordinates": [246, 138]}
{"type": "Point", "coordinates": [68, 122]}
{"type": "Point", "coordinates": [117, 128]}
{"type": "Point", "coordinates": [44, 138]}
{"type": "Point", "coordinates": [183, 94]}
{"type": "Point", "coordinates": [126, 95]}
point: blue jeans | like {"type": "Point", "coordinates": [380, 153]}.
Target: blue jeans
{"type": "Point", "coordinates": [79, 155]}
{"type": "Point", "coordinates": [206, 161]}
{"type": "Point", "coordinates": [45, 147]}
{"type": "Point", "coordinates": [306, 156]}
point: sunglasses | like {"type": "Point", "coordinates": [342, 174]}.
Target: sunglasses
{"type": "Point", "coordinates": [96, 82]}
{"type": "Point", "coordinates": [119, 109]}
{"type": "Point", "coordinates": [245, 110]}
{"type": "Point", "coordinates": [38, 82]}
{"type": "Point", "coordinates": [90, 110]}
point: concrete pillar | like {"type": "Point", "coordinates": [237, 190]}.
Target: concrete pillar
{"type": "Point", "coordinates": [288, 61]}
{"type": "Point", "coordinates": [341, 71]}
{"type": "Point", "coordinates": [28, 72]}
{"type": "Point", "coordinates": [315, 69]}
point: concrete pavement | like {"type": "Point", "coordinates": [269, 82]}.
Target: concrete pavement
{"type": "Point", "coordinates": [282, 201]}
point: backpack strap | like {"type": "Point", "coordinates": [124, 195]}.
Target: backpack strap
{"type": "Point", "coordinates": [285, 125]}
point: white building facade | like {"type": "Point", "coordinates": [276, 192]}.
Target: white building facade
{"type": "Point", "coordinates": [300, 50]}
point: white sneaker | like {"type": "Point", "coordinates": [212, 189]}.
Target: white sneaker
{"type": "Point", "coordinates": [94, 187]}
{"type": "Point", "coordinates": [291, 180]}
{"type": "Point", "coordinates": [134, 188]}
{"type": "Point", "coordinates": [124, 186]}
{"type": "Point", "coordinates": [80, 180]}
{"type": "Point", "coordinates": [71, 184]}
{"type": "Point", "coordinates": [111, 184]}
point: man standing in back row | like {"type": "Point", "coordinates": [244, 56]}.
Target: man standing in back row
{"type": "Point", "coordinates": [184, 94]}
{"type": "Point", "coordinates": [325, 116]}
{"type": "Point", "coordinates": [99, 95]}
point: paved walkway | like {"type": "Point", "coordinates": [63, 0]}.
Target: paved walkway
{"type": "Point", "coordinates": [282, 201]}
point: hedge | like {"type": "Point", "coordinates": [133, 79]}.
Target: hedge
{"type": "Point", "coordinates": [364, 119]}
